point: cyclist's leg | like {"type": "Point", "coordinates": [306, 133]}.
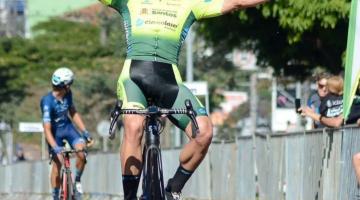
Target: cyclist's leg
{"type": "Point", "coordinates": [130, 152]}
{"type": "Point", "coordinates": [194, 151]}
{"type": "Point", "coordinates": [56, 166]}
{"type": "Point", "coordinates": [55, 177]}
{"type": "Point", "coordinates": [356, 165]}
{"type": "Point", "coordinates": [77, 142]}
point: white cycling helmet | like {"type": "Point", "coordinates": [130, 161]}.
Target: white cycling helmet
{"type": "Point", "coordinates": [62, 77]}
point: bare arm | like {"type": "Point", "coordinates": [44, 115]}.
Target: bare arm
{"type": "Point", "coordinates": [231, 5]}
{"type": "Point", "coordinates": [333, 122]}
{"type": "Point", "coordinates": [77, 119]}
{"type": "Point", "coordinates": [48, 134]}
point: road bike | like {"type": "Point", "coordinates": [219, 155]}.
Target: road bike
{"type": "Point", "coordinates": [67, 189]}
{"type": "Point", "coordinates": [152, 173]}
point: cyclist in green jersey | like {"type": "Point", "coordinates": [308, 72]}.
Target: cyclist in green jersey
{"type": "Point", "coordinates": [155, 31]}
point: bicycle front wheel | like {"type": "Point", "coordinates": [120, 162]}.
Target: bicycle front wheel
{"type": "Point", "coordinates": [153, 183]}
{"type": "Point", "coordinates": [67, 189]}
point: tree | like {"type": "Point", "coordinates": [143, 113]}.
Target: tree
{"type": "Point", "coordinates": [292, 36]}
{"type": "Point", "coordinates": [26, 66]}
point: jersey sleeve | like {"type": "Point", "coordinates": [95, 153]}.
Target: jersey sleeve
{"type": "Point", "coordinates": [45, 110]}
{"type": "Point", "coordinates": [207, 8]}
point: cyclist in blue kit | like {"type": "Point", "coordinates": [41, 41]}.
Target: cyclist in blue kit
{"type": "Point", "coordinates": [57, 107]}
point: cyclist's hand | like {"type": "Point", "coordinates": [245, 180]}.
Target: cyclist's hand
{"type": "Point", "coordinates": [89, 140]}
{"type": "Point", "coordinates": [57, 149]}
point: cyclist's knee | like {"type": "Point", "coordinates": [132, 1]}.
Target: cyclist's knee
{"type": "Point", "coordinates": [81, 156]}
{"type": "Point", "coordinates": [206, 133]}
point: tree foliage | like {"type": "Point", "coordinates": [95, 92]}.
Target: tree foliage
{"type": "Point", "coordinates": [293, 36]}
{"type": "Point", "coordinates": [26, 66]}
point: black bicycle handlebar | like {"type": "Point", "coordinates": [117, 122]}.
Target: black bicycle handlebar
{"type": "Point", "coordinates": [153, 110]}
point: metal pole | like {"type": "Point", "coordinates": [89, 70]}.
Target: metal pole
{"type": "Point", "coordinates": [27, 24]}
{"type": "Point", "coordinates": [253, 102]}
{"type": "Point", "coordinates": [43, 146]}
{"type": "Point", "coordinates": [298, 95]}
{"type": "Point", "coordinates": [105, 144]}
{"type": "Point", "coordinates": [273, 101]}
{"type": "Point", "coordinates": [189, 57]}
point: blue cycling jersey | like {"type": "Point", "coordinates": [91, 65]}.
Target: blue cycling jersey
{"type": "Point", "coordinates": [56, 111]}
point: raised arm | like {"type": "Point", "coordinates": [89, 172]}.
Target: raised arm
{"type": "Point", "coordinates": [231, 5]}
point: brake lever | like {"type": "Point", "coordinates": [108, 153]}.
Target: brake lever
{"type": "Point", "coordinates": [192, 114]}
{"type": "Point", "coordinates": [113, 119]}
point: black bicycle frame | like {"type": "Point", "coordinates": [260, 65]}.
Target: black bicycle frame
{"type": "Point", "coordinates": [153, 182]}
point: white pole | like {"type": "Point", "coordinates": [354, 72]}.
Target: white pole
{"type": "Point", "coordinates": [189, 57]}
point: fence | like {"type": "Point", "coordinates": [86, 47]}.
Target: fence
{"type": "Point", "coordinates": [315, 165]}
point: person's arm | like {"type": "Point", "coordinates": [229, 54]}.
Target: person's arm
{"type": "Point", "coordinates": [81, 126]}
{"type": "Point", "coordinates": [231, 5]}
{"type": "Point", "coordinates": [77, 119]}
{"type": "Point", "coordinates": [333, 122]}
{"type": "Point", "coordinates": [309, 112]}
{"type": "Point", "coordinates": [48, 134]}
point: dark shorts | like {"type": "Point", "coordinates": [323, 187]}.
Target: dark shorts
{"type": "Point", "coordinates": [68, 133]}
{"type": "Point", "coordinates": [160, 82]}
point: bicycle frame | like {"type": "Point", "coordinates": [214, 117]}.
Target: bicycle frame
{"type": "Point", "coordinates": [66, 181]}
{"type": "Point", "coordinates": [152, 173]}
{"type": "Point", "coordinates": [66, 189]}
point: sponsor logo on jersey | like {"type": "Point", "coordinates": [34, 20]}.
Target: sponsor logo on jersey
{"type": "Point", "coordinates": [146, 2]}
{"type": "Point", "coordinates": [165, 23]}
{"type": "Point", "coordinates": [139, 22]}
{"type": "Point", "coordinates": [202, 111]}
{"type": "Point", "coordinates": [167, 13]}
{"type": "Point", "coordinates": [144, 11]}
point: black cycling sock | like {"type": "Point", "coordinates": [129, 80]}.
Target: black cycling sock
{"type": "Point", "coordinates": [130, 186]}
{"type": "Point", "coordinates": [55, 193]}
{"type": "Point", "coordinates": [177, 183]}
{"type": "Point", "coordinates": [78, 174]}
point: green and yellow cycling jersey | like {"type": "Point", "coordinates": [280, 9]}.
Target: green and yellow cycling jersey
{"type": "Point", "coordinates": [156, 29]}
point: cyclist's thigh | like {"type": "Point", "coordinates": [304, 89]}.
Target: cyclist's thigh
{"type": "Point", "coordinates": [127, 90]}
{"type": "Point", "coordinates": [73, 137]}
{"type": "Point", "coordinates": [182, 121]}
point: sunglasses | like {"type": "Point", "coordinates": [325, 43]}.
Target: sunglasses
{"type": "Point", "coordinates": [321, 86]}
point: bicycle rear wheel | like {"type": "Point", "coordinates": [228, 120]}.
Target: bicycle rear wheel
{"type": "Point", "coordinates": [153, 183]}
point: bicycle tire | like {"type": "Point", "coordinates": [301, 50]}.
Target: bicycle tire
{"type": "Point", "coordinates": [70, 186]}
{"type": "Point", "coordinates": [153, 183]}
{"type": "Point", "coordinates": [63, 188]}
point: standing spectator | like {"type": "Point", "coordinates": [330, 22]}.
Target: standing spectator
{"type": "Point", "coordinates": [331, 106]}
{"type": "Point", "coordinates": [20, 153]}
{"type": "Point", "coordinates": [321, 91]}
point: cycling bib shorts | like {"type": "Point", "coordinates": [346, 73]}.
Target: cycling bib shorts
{"type": "Point", "coordinates": [161, 82]}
